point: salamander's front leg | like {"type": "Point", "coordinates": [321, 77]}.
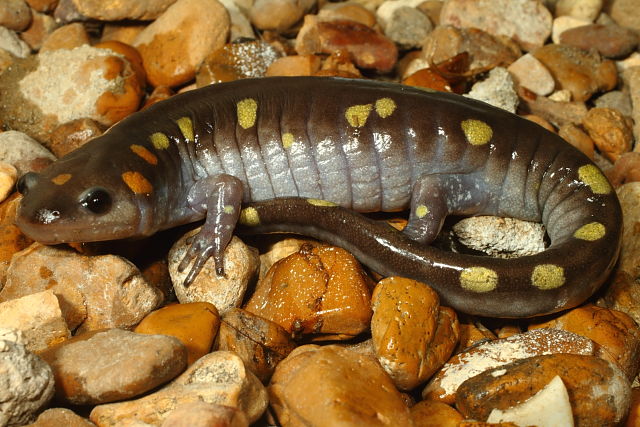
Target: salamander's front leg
{"type": "Point", "coordinates": [218, 196]}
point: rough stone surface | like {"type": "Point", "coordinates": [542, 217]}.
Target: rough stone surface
{"type": "Point", "coordinates": [629, 196]}
{"type": "Point", "coordinates": [23, 152]}
{"type": "Point", "coordinates": [110, 10]}
{"type": "Point", "coordinates": [610, 131]}
{"type": "Point", "coordinates": [201, 414]}
{"type": "Point", "coordinates": [497, 90]}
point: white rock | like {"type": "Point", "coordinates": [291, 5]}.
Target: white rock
{"type": "Point", "coordinates": [581, 9]}
{"type": "Point", "coordinates": [562, 95]}
{"type": "Point", "coordinates": [19, 150]}
{"type": "Point", "coordinates": [27, 384]}
{"type": "Point", "coordinates": [564, 23]}
{"type": "Point", "coordinates": [240, 25]}
{"type": "Point", "coordinates": [12, 335]}
{"type": "Point", "coordinates": [10, 42]}
{"type": "Point", "coordinates": [530, 73]}
{"type": "Point", "coordinates": [497, 90]}
{"type": "Point", "coordinates": [384, 13]}
{"type": "Point", "coordinates": [8, 177]}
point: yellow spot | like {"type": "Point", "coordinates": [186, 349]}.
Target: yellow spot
{"type": "Point", "coordinates": [477, 132]}
{"type": "Point", "coordinates": [61, 179]}
{"type": "Point", "coordinates": [547, 276]}
{"type": "Point", "coordinates": [186, 127]}
{"type": "Point", "coordinates": [592, 231]}
{"type": "Point", "coordinates": [137, 182]}
{"type": "Point", "coordinates": [249, 216]}
{"type": "Point", "coordinates": [357, 115]}
{"type": "Point", "coordinates": [385, 107]}
{"type": "Point", "coordinates": [229, 209]}
{"type": "Point", "coordinates": [159, 140]}
{"type": "Point", "coordinates": [287, 140]}
{"type": "Point", "coordinates": [247, 111]}
{"type": "Point", "coordinates": [478, 279]}
{"type": "Point", "coordinates": [324, 203]}
{"type": "Point", "coordinates": [147, 155]}
{"type": "Point", "coordinates": [421, 211]}
{"type": "Point", "coordinates": [591, 176]}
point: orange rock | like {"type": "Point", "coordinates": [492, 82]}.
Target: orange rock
{"type": "Point", "coordinates": [71, 135]}
{"type": "Point", "coordinates": [338, 64]}
{"type": "Point", "coordinates": [429, 79]}
{"type": "Point", "coordinates": [412, 335]}
{"type": "Point", "coordinates": [539, 120]}
{"type": "Point", "coordinates": [315, 291]}
{"type": "Point", "coordinates": [12, 240]}
{"type": "Point", "coordinates": [350, 11]}
{"type": "Point", "coordinates": [278, 15]}
{"type": "Point", "coordinates": [203, 414]}
{"type": "Point", "coordinates": [132, 55]}
{"type": "Point", "coordinates": [160, 93]}
{"type": "Point", "coordinates": [40, 28]}
{"type": "Point", "coordinates": [114, 106]}
{"type": "Point", "coordinates": [626, 169]}
{"type": "Point", "coordinates": [66, 37]}
{"type": "Point", "coordinates": [42, 5]}
{"type": "Point", "coordinates": [609, 130]}
{"type": "Point", "coordinates": [633, 419]}
{"type": "Point", "coordinates": [125, 33]}
{"type": "Point", "coordinates": [576, 137]}
{"type": "Point", "coordinates": [295, 65]}
{"type": "Point", "coordinates": [431, 413]}
{"type": "Point", "coordinates": [194, 324]}
{"type": "Point", "coordinates": [60, 417]}
{"type": "Point", "coordinates": [472, 333]}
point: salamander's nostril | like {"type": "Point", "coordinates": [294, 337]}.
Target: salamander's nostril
{"type": "Point", "coordinates": [47, 216]}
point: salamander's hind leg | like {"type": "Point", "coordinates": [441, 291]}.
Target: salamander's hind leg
{"type": "Point", "coordinates": [438, 195]}
{"type": "Point", "coordinates": [220, 197]}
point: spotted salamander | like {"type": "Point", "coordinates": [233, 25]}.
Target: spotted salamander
{"type": "Point", "coordinates": [304, 154]}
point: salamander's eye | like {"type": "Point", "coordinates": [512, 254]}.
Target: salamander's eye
{"type": "Point", "coordinates": [26, 181]}
{"type": "Point", "coordinates": [96, 200]}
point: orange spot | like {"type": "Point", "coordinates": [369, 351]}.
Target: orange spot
{"type": "Point", "coordinates": [147, 155]}
{"type": "Point", "coordinates": [61, 179]}
{"type": "Point", "coordinates": [137, 182]}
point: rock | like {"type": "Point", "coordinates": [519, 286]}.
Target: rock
{"type": "Point", "coordinates": [160, 93]}
{"type": "Point", "coordinates": [331, 385]}
{"type": "Point", "coordinates": [10, 42]}
{"type": "Point", "coordinates": [110, 10]}
{"type": "Point", "coordinates": [493, 354]}
{"type": "Point", "coordinates": [260, 343]}
{"type": "Point", "coordinates": [23, 152]}
{"type": "Point", "coordinates": [121, 32]}
{"type": "Point", "coordinates": [581, 9]}
{"type": "Point", "coordinates": [278, 15]}
{"type": "Point", "coordinates": [194, 324]}
{"type": "Point", "coordinates": [27, 384]}
{"type": "Point", "coordinates": [8, 178]}
{"type": "Point", "coordinates": [339, 64]}
{"type": "Point", "coordinates": [616, 99]}
{"type": "Point", "coordinates": [583, 73]}
{"type": "Point", "coordinates": [236, 61]}
{"type": "Point", "coordinates": [527, 22]}
{"type": "Point", "coordinates": [12, 240]}
{"type": "Point", "coordinates": [68, 36]}
{"type": "Point", "coordinates": [200, 414]}
{"type": "Point", "coordinates": [609, 130]}
{"type": "Point", "coordinates": [109, 365]}
{"type": "Point", "coordinates": [42, 25]}
{"type": "Point", "coordinates": [219, 377]}
{"type": "Point", "coordinates": [348, 10]}
{"type": "Point", "coordinates": [617, 335]}
{"type": "Point", "coordinates": [42, 5]}
{"type": "Point", "coordinates": [282, 248]}
{"type": "Point", "coordinates": [405, 25]}
{"type": "Point", "coordinates": [578, 138]}
{"type": "Point", "coordinates": [175, 44]}
{"type": "Point", "coordinates": [565, 23]}
{"type": "Point", "coordinates": [632, 81]}
{"type": "Point", "coordinates": [428, 79]}
{"type": "Point", "coordinates": [501, 237]}
{"type": "Point", "coordinates": [629, 261]}
{"type": "Point", "coordinates": [556, 112]}
{"type": "Point", "coordinates": [131, 54]}
{"type": "Point", "coordinates": [610, 41]}
{"type": "Point", "coordinates": [71, 135]}
{"type": "Point", "coordinates": [368, 48]}
{"type": "Point", "coordinates": [295, 65]}
{"type": "Point", "coordinates": [412, 335]}
{"type": "Point", "coordinates": [599, 392]}
{"type": "Point", "coordinates": [15, 15]}
{"type": "Point", "coordinates": [625, 170]}
{"type": "Point", "coordinates": [55, 417]}
{"type": "Point", "coordinates": [634, 411]}
{"type": "Point", "coordinates": [539, 121]}
{"type": "Point", "coordinates": [624, 12]}
{"type": "Point", "coordinates": [428, 413]}
{"type": "Point", "coordinates": [318, 290]}
{"type": "Point", "coordinates": [38, 317]}
{"type": "Point", "coordinates": [529, 73]}
{"type": "Point", "coordinates": [240, 25]}
{"type": "Point", "coordinates": [96, 291]}
{"type": "Point", "coordinates": [240, 265]}
{"type": "Point", "coordinates": [497, 90]}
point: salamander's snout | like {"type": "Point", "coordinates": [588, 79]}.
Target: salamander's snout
{"type": "Point", "coordinates": [27, 182]}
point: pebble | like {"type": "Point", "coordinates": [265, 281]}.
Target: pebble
{"type": "Point", "coordinates": [565, 23]}
{"type": "Point", "coordinates": [600, 393]}
{"type": "Point", "coordinates": [581, 9]}
{"type": "Point", "coordinates": [60, 417]}
{"type": "Point", "coordinates": [175, 44]}
{"type": "Point", "coordinates": [240, 25]}
{"type": "Point", "coordinates": [8, 178]}
{"type": "Point", "coordinates": [318, 290]}
{"type": "Point", "coordinates": [428, 79]}
{"type": "Point", "coordinates": [578, 138]}
{"type": "Point", "coordinates": [124, 33]}
{"type": "Point", "coordinates": [557, 112]}
{"type": "Point", "coordinates": [23, 152]}
{"type": "Point", "coordinates": [625, 170]}
{"type": "Point", "coordinates": [609, 130]}
{"type": "Point", "coordinates": [616, 99]}
{"type": "Point", "coordinates": [42, 5]}
{"type": "Point", "coordinates": [583, 73]}
{"type": "Point", "coordinates": [27, 384]}
{"type": "Point", "coordinates": [240, 265]}
{"type": "Point", "coordinates": [42, 25]}
{"type": "Point", "coordinates": [66, 37]}
{"type": "Point", "coordinates": [194, 324]}
{"type": "Point", "coordinates": [219, 377]}
{"type": "Point", "coordinates": [412, 335]}
{"type": "Point", "coordinates": [404, 24]}
{"type": "Point", "coordinates": [527, 22]}
{"type": "Point", "coordinates": [15, 14]}
{"type": "Point", "coordinates": [10, 42]}
{"type": "Point", "coordinates": [348, 10]}
{"type": "Point", "coordinates": [624, 12]}
{"type": "Point", "coordinates": [71, 135]}
{"type": "Point", "coordinates": [278, 15]}
{"type": "Point", "coordinates": [260, 343]}
{"type": "Point", "coordinates": [109, 10]}
{"type": "Point", "coordinates": [110, 365]}
{"type": "Point", "coordinates": [281, 248]}
{"type": "Point", "coordinates": [98, 292]}
{"type": "Point", "coordinates": [330, 385]}
{"type": "Point", "coordinates": [497, 89]}
{"type": "Point", "coordinates": [531, 74]}
{"type": "Point", "coordinates": [235, 61]}
{"type": "Point", "coordinates": [501, 237]}
{"type": "Point", "coordinates": [38, 317]}
{"type": "Point", "coordinates": [629, 261]}
{"type": "Point", "coordinates": [294, 65]}
{"type": "Point", "coordinates": [632, 81]}
{"type": "Point", "coordinates": [493, 354]}
{"type": "Point", "coordinates": [611, 41]}
{"type": "Point", "coordinates": [201, 414]}
{"type": "Point", "coordinates": [12, 240]}
{"type": "Point", "coordinates": [431, 413]}
{"type": "Point", "coordinates": [368, 48]}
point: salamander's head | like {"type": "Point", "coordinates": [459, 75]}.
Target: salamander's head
{"type": "Point", "coordinates": [81, 198]}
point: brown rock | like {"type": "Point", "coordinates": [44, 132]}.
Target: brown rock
{"type": "Point", "coordinates": [529, 73]}
{"type": "Point", "coordinates": [626, 169]}
{"type": "Point", "coordinates": [610, 41]}
{"type": "Point", "coordinates": [431, 413]}
{"type": "Point", "coordinates": [599, 392]}
{"type": "Point", "coordinates": [12, 240]}
{"type": "Point", "coordinates": [556, 112]}
{"type": "Point", "coordinates": [121, 32]}
{"type": "Point", "coordinates": [15, 14]}
{"type": "Point", "coordinates": [56, 417]}
{"type": "Point", "coordinates": [71, 135]}
{"type": "Point", "coordinates": [368, 48]}
{"type": "Point", "coordinates": [95, 292]}
{"type": "Point", "coordinates": [472, 333]}
{"type": "Point", "coordinates": [219, 377]}
{"type": "Point", "coordinates": [540, 121]}
{"type": "Point", "coordinates": [260, 343]}
{"type": "Point", "coordinates": [236, 61]}
{"type": "Point", "coordinates": [576, 137]}
{"type": "Point", "coordinates": [315, 291]}
{"type": "Point", "coordinates": [623, 295]}
{"type": "Point", "coordinates": [609, 130]}
{"type": "Point", "coordinates": [201, 414]}
{"type": "Point", "coordinates": [278, 15]}
{"type": "Point", "coordinates": [348, 10]}
{"type": "Point", "coordinates": [338, 64]}
{"type": "Point", "coordinates": [42, 25]}
{"type": "Point", "coordinates": [66, 37]}
{"type": "Point", "coordinates": [295, 65]}
{"type": "Point", "coordinates": [109, 365]}
{"type": "Point", "coordinates": [624, 13]}
{"type": "Point", "coordinates": [42, 5]}
{"type": "Point", "coordinates": [428, 79]}
{"type": "Point", "coordinates": [329, 385]}
{"type": "Point", "coordinates": [110, 10]}
{"type": "Point", "coordinates": [195, 325]}
{"type": "Point", "coordinates": [412, 335]}
{"type": "Point", "coordinates": [583, 73]}
{"type": "Point", "coordinates": [131, 54]}
{"type": "Point", "coordinates": [629, 261]}
{"type": "Point", "coordinates": [160, 93]}
{"type": "Point", "coordinates": [175, 44]}
{"type": "Point", "coordinates": [8, 178]}
{"type": "Point", "coordinates": [633, 419]}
